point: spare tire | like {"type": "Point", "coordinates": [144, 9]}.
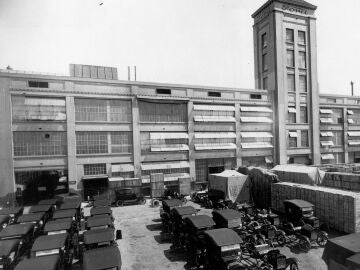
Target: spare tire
{"type": "Point", "coordinates": [155, 203]}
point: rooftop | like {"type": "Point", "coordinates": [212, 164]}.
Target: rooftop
{"type": "Point", "coordinates": [299, 3]}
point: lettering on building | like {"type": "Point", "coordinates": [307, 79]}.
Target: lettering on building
{"type": "Point", "coordinates": [294, 9]}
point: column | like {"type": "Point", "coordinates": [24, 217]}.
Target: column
{"type": "Point", "coordinates": [136, 133]}
{"type": "Point", "coordinates": [74, 182]}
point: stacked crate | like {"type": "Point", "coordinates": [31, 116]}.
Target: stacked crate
{"type": "Point", "coordinates": [339, 208]}
{"type": "Point", "coordinates": [184, 185]}
{"type": "Point", "coordinates": [340, 180]}
{"type": "Point", "coordinates": [157, 187]}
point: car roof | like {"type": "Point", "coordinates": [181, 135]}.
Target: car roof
{"type": "Point", "coordinates": [98, 236]}
{"type": "Point", "coordinates": [227, 214]}
{"type": "Point", "coordinates": [40, 208]}
{"type": "Point", "coordinates": [6, 246]}
{"type": "Point", "coordinates": [4, 218]}
{"type": "Point", "coordinates": [48, 201]}
{"type": "Point", "coordinates": [223, 237]}
{"type": "Point", "coordinates": [73, 204]}
{"type": "Point", "coordinates": [184, 210]}
{"type": "Point", "coordinates": [47, 242]}
{"type": "Point", "coordinates": [102, 258]}
{"type": "Point", "coordinates": [16, 230]}
{"type": "Point", "coordinates": [58, 224]}
{"type": "Point", "coordinates": [43, 262]}
{"type": "Point", "coordinates": [10, 210]}
{"type": "Point", "coordinates": [30, 217]}
{"type": "Point", "coordinates": [100, 210]}
{"type": "Point", "coordinates": [171, 203]}
{"type": "Point", "coordinates": [298, 203]}
{"type": "Point", "coordinates": [64, 213]}
{"type": "Point", "coordinates": [98, 220]}
{"type": "Point", "coordinates": [200, 221]}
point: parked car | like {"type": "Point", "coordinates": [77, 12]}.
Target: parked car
{"type": "Point", "coordinates": [47, 209]}
{"type": "Point", "coordinates": [101, 210]}
{"type": "Point", "coordinates": [22, 232]}
{"type": "Point", "coordinates": [44, 262]}
{"type": "Point", "coordinates": [98, 222]}
{"type": "Point", "coordinates": [10, 252]}
{"type": "Point", "coordinates": [94, 259]}
{"type": "Point", "coordinates": [178, 228]}
{"type": "Point", "coordinates": [127, 196]}
{"type": "Point", "coordinates": [165, 213]}
{"type": "Point", "coordinates": [4, 221]}
{"type": "Point", "coordinates": [13, 212]}
{"type": "Point", "coordinates": [38, 219]}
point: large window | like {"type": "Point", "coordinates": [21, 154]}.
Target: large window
{"type": "Point", "coordinates": [163, 142]}
{"type": "Point", "coordinates": [91, 143]}
{"type": "Point", "coordinates": [292, 139]}
{"type": "Point", "coordinates": [290, 62]}
{"type": "Point", "coordinates": [39, 143]}
{"type": "Point", "coordinates": [289, 35]}
{"type": "Point", "coordinates": [302, 59]}
{"type": "Point", "coordinates": [303, 114]}
{"type": "Point", "coordinates": [291, 116]}
{"type": "Point", "coordinates": [121, 142]}
{"type": "Point", "coordinates": [38, 108]}
{"type": "Point", "coordinates": [291, 82]}
{"type": "Point", "coordinates": [304, 138]}
{"type": "Point", "coordinates": [98, 110]}
{"type": "Point", "coordinates": [338, 138]}
{"type": "Point", "coordinates": [301, 37]}
{"type": "Point", "coordinates": [162, 112]}
{"type": "Point", "coordinates": [95, 169]}
{"type": "Point", "coordinates": [302, 84]}
{"type": "Point", "coordinates": [264, 40]}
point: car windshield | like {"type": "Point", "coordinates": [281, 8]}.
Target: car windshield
{"type": "Point", "coordinates": [47, 252]}
{"type": "Point", "coordinates": [307, 211]}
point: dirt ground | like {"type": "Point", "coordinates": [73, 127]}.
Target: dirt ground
{"type": "Point", "coordinates": [144, 247]}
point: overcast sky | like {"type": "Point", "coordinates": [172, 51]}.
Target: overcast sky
{"type": "Point", "coordinates": [204, 42]}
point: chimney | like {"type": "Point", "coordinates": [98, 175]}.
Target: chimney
{"type": "Point", "coordinates": [352, 88]}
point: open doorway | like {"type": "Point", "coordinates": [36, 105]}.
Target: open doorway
{"type": "Point", "coordinates": [95, 186]}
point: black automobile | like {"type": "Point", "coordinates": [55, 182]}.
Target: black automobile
{"type": "Point", "coordinates": [301, 222]}
{"type": "Point", "coordinates": [4, 221]}
{"type": "Point", "coordinates": [222, 249]}
{"type": "Point", "coordinates": [9, 253]}
{"type": "Point", "coordinates": [23, 232]}
{"type": "Point", "coordinates": [13, 212]}
{"type": "Point", "coordinates": [44, 262]}
{"type": "Point", "coordinates": [55, 244]}
{"type": "Point", "coordinates": [102, 259]}
{"type": "Point", "coordinates": [38, 219]}
{"type": "Point", "coordinates": [195, 242]}
{"type": "Point", "coordinates": [101, 210]}
{"type": "Point", "coordinates": [216, 199]}
{"type": "Point", "coordinates": [73, 204]}
{"type": "Point", "coordinates": [178, 226]}
{"type": "Point", "coordinates": [165, 213]}
{"type": "Point", "coordinates": [98, 222]}
{"type": "Point", "coordinates": [48, 209]}
{"type": "Point", "coordinates": [127, 196]}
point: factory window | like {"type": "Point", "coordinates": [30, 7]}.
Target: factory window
{"type": "Point", "coordinates": [120, 111]}
{"type": "Point", "coordinates": [304, 138]}
{"type": "Point", "coordinates": [292, 139]}
{"type": "Point", "coordinates": [265, 83]}
{"type": "Point", "coordinates": [265, 62]}
{"type": "Point", "coordinates": [39, 143]}
{"type": "Point", "coordinates": [36, 108]}
{"type": "Point", "coordinates": [290, 58]}
{"type": "Point", "coordinates": [91, 143]}
{"type": "Point", "coordinates": [291, 116]}
{"type": "Point", "coordinates": [255, 96]}
{"type": "Point", "coordinates": [163, 91]}
{"type": "Point", "coordinates": [90, 110]}
{"type": "Point", "coordinates": [214, 94]}
{"type": "Point", "coordinates": [264, 40]}
{"type": "Point", "coordinates": [303, 114]}
{"type": "Point", "coordinates": [337, 116]}
{"type": "Point", "coordinates": [162, 112]}
{"type": "Point", "coordinates": [302, 84]}
{"type": "Point", "coordinates": [291, 82]}
{"type": "Point", "coordinates": [121, 142]}
{"type": "Point", "coordinates": [124, 175]}
{"type": "Point", "coordinates": [95, 169]}
{"type": "Point", "coordinates": [301, 37]}
{"type": "Point", "coordinates": [163, 142]}
{"type": "Point", "coordinates": [302, 59]}
{"type": "Point", "coordinates": [37, 84]}
{"type": "Point", "coordinates": [289, 35]}
{"type": "Point", "coordinates": [355, 117]}
{"type": "Point", "coordinates": [338, 138]}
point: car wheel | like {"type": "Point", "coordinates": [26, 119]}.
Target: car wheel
{"type": "Point", "coordinates": [305, 244]}
{"type": "Point", "coordinates": [293, 266]}
{"type": "Point", "coordinates": [143, 201]}
{"type": "Point", "coordinates": [321, 239]}
{"type": "Point", "coordinates": [119, 203]}
{"type": "Point", "coordinates": [155, 203]}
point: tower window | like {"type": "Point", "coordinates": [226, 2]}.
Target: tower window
{"type": "Point", "coordinates": [265, 62]}
{"type": "Point", "coordinates": [265, 83]}
{"type": "Point", "coordinates": [302, 60]}
{"type": "Point", "coordinates": [303, 114]}
{"type": "Point", "coordinates": [255, 96]}
{"type": "Point", "coordinates": [290, 58]}
{"type": "Point", "coordinates": [214, 94]}
{"type": "Point", "coordinates": [291, 82]}
{"type": "Point", "coordinates": [302, 83]}
{"type": "Point", "coordinates": [264, 40]}
{"type": "Point", "coordinates": [304, 138]}
{"type": "Point", "coordinates": [301, 37]}
{"type": "Point", "coordinates": [38, 84]}
{"type": "Point", "coordinates": [289, 35]}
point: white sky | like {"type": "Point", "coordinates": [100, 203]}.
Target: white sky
{"type": "Point", "coordinates": [205, 42]}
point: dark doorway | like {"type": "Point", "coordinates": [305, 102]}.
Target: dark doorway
{"type": "Point", "coordinates": [217, 169]}
{"type": "Point", "coordinates": [95, 186]}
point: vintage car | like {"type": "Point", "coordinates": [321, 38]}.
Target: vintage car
{"type": "Point", "coordinates": [173, 194]}
{"type": "Point", "coordinates": [4, 221]}
{"type": "Point", "coordinates": [55, 244]}
{"type": "Point", "coordinates": [35, 218]}
{"type": "Point", "coordinates": [222, 249]}
{"type": "Point", "coordinates": [23, 232]}
{"type": "Point", "coordinates": [54, 202]}
{"type": "Point", "coordinates": [102, 258]}
{"type": "Point", "coordinates": [195, 242]}
{"type": "Point", "coordinates": [199, 196]}
{"type": "Point", "coordinates": [73, 204]}
{"type": "Point", "coordinates": [178, 229]}
{"type": "Point", "coordinates": [216, 200]}
{"type": "Point", "coordinates": [45, 262]}
{"type": "Point", "coordinates": [13, 212]}
{"type": "Point", "coordinates": [9, 253]}
{"type": "Point", "coordinates": [165, 213]}
{"type": "Point", "coordinates": [300, 222]}
{"type": "Point", "coordinates": [127, 196]}
{"type": "Point", "coordinates": [98, 222]}
{"type": "Point", "coordinates": [48, 209]}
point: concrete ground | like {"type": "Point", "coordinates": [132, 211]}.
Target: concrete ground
{"type": "Point", "coordinates": [144, 247]}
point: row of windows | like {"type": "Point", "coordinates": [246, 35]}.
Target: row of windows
{"type": "Point", "coordinates": [290, 59]}
{"type": "Point", "coordinates": [302, 83]}
{"type": "Point", "coordinates": [293, 139]}
{"type": "Point", "coordinates": [301, 38]}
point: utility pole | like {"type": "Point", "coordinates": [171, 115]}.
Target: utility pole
{"type": "Point", "coordinates": [352, 88]}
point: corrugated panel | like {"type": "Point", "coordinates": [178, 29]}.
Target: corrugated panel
{"type": "Point", "coordinates": [122, 168]}
{"type": "Point", "coordinates": [204, 107]}
{"type": "Point", "coordinates": [101, 73]}
{"type": "Point", "coordinates": [327, 156]}
{"type": "Point", "coordinates": [86, 71]}
{"type": "Point", "coordinates": [217, 146]}
{"type": "Point", "coordinates": [256, 135]}
{"type": "Point", "coordinates": [213, 135]}
{"type": "Point", "coordinates": [203, 118]}
{"type": "Point", "coordinates": [108, 73]}
{"type": "Point", "coordinates": [327, 143]}
{"type": "Point", "coordinates": [326, 120]}
{"type": "Point", "coordinates": [165, 165]}
{"type": "Point", "coordinates": [160, 136]}
{"type": "Point", "coordinates": [255, 119]}
{"type": "Point", "coordinates": [114, 73]}
{"type": "Point", "coordinates": [326, 111]}
{"type": "Point", "coordinates": [255, 109]}
{"type": "Point", "coordinates": [256, 145]}
{"type": "Point", "coordinates": [293, 134]}
{"type": "Point", "coordinates": [354, 133]}
{"type": "Point", "coordinates": [93, 72]}
{"type": "Point", "coordinates": [169, 148]}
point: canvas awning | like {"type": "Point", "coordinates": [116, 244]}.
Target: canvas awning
{"type": "Point", "coordinates": [169, 148]}
{"type": "Point", "coordinates": [168, 135]}
{"type": "Point", "coordinates": [255, 119]}
{"type": "Point", "coordinates": [299, 174]}
{"type": "Point", "coordinates": [350, 121]}
{"type": "Point", "coordinates": [214, 135]}
{"type": "Point", "coordinates": [293, 134]}
{"type": "Point", "coordinates": [291, 110]}
{"type": "Point", "coordinates": [256, 135]}
{"type": "Point", "coordinates": [164, 165]}
{"type": "Point", "coordinates": [269, 160]}
{"type": "Point", "coordinates": [209, 118]}
{"type": "Point", "coordinates": [350, 112]}
{"type": "Point", "coordinates": [354, 142]}
{"type": "Point", "coordinates": [122, 168]}
{"type": "Point", "coordinates": [327, 143]}
{"type": "Point", "coordinates": [215, 146]}
{"type": "Point", "coordinates": [354, 133]}
{"type": "Point", "coordinates": [326, 111]}
{"type": "Point", "coordinates": [326, 134]}
{"type": "Point", "coordinates": [255, 109]}
{"type": "Point", "coordinates": [204, 107]}
{"type": "Point", "coordinates": [326, 120]}
{"type": "Point", "coordinates": [256, 145]}
{"type": "Point", "coordinates": [327, 156]}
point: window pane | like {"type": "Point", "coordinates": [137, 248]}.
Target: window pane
{"type": "Point", "coordinates": [304, 138]}
{"type": "Point", "coordinates": [292, 142]}
{"type": "Point", "coordinates": [265, 62]}
{"type": "Point", "coordinates": [289, 35]}
{"type": "Point", "coordinates": [95, 169]}
{"type": "Point", "coordinates": [301, 37]}
{"type": "Point", "coordinates": [91, 143]}
{"type": "Point", "coordinates": [120, 111]}
{"type": "Point", "coordinates": [291, 117]}
{"type": "Point", "coordinates": [121, 142]}
{"type": "Point", "coordinates": [264, 40]}
{"type": "Point", "coordinates": [303, 114]}
{"type": "Point", "coordinates": [90, 110]}
{"type": "Point", "coordinates": [302, 83]}
{"type": "Point", "coordinates": [302, 60]}
{"type": "Point", "coordinates": [290, 58]}
{"type": "Point", "coordinates": [291, 82]}
{"type": "Point", "coordinates": [162, 112]}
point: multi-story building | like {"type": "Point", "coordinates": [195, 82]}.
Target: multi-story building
{"type": "Point", "coordinates": [91, 127]}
